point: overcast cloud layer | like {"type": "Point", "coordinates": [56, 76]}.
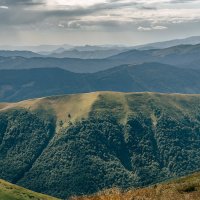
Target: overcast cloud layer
{"type": "Point", "coordinates": [28, 22]}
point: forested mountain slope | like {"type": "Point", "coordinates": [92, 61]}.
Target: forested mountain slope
{"type": "Point", "coordinates": [80, 144]}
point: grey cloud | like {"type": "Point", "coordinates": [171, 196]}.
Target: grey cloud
{"type": "Point", "coordinates": [183, 1]}
{"type": "Point", "coordinates": [20, 16]}
{"type": "Point", "coordinates": [148, 8]}
{"type": "Point", "coordinates": [22, 2]}
{"type": "Point", "coordinates": [4, 7]}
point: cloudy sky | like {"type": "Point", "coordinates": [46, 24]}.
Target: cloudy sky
{"type": "Point", "coordinates": [129, 22]}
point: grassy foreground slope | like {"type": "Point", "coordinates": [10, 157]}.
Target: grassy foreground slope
{"type": "Point", "coordinates": [186, 188]}
{"type": "Point", "coordinates": [9, 191]}
{"type": "Point", "coordinates": [81, 144]}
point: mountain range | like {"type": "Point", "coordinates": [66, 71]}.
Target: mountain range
{"type": "Point", "coordinates": [100, 122]}
{"type": "Point", "coordinates": [170, 43]}
{"type": "Point", "coordinates": [47, 49]}
{"type": "Point", "coordinates": [25, 54]}
{"type": "Point", "coordinates": [80, 144]}
{"type": "Point", "coordinates": [18, 85]}
{"type": "Point", "coordinates": [94, 54]}
{"type": "Point", "coordinates": [183, 56]}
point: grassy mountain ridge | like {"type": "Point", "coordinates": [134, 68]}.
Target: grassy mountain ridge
{"type": "Point", "coordinates": [78, 106]}
{"type": "Point", "coordinates": [117, 140]}
{"type": "Point", "coordinates": [9, 191]}
{"type": "Point", "coordinates": [16, 85]}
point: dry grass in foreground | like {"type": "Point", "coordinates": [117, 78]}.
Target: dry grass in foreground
{"type": "Point", "coordinates": [186, 188]}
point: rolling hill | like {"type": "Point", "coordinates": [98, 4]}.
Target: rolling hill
{"type": "Point", "coordinates": [18, 85]}
{"type": "Point", "coordinates": [80, 144]}
{"type": "Point", "coordinates": [183, 188]}
{"type": "Point", "coordinates": [9, 191]}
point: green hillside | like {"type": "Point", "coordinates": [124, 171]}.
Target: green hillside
{"type": "Point", "coordinates": [80, 144]}
{"type": "Point", "coordinates": [9, 191]}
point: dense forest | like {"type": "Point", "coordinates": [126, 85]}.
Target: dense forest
{"type": "Point", "coordinates": [124, 142]}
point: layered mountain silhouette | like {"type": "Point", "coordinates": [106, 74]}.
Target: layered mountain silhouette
{"type": "Point", "coordinates": [183, 56]}
{"type": "Point", "coordinates": [18, 85]}
{"type": "Point", "coordinates": [102, 119]}
{"type": "Point", "coordinates": [94, 54]}
{"type": "Point", "coordinates": [170, 43]}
